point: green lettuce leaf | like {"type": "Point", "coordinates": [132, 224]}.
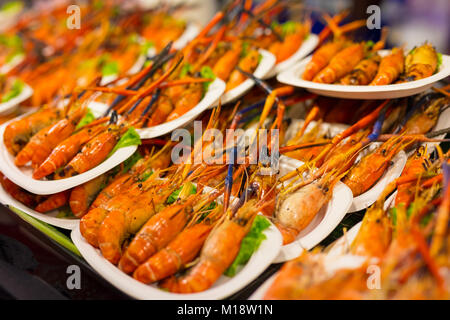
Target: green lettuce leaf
{"type": "Point", "coordinates": [249, 244]}
{"type": "Point", "coordinates": [439, 58]}
{"type": "Point", "coordinates": [130, 138]}
{"type": "Point", "coordinates": [245, 47]}
{"type": "Point", "coordinates": [146, 46]}
{"type": "Point", "coordinates": [110, 68]}
{"type": "Point", "coordinates": [88, 118]}
{"type": "Point", "coordinates": [15, 90]}
{"type": "Point", "coordinates": [174, 196]}
{"type": "Point", "coordinates": [206, 72]}
{"type": "Point", "coordinates": [187, 68]}
{"type": "Point", "coordinates": [288, 27]}
{"type": "Point", "coordinates": [13, 6]}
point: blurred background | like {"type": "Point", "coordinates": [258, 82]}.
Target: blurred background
{"type": "Point", "coordinates": [410, 22]}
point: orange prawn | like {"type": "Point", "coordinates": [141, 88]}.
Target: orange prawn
{"type": "Point", "coordinates": [248, 64]}
{"type": "Point", "coordinates": [218, 252]}
{"type": "Point", "coordinates": [65, 151]}
{"type": "Point", "coordinates": [92, 154]}
{"type": "Point", "coordinates": [156, 233]}
{"type": "Point", "coordinates": [223, 68]}
{"type": "Point", "coordinates": [53, 202]}
{"type": "Point", "coordinates": [363, 73]}
{"type": "Point", "coordinates": [42, 143]}
{"type": "Point", "coordinates": [369, 170]}
{"type": "Point", "coordinates": [188, 100]}
{"type": "Point", "coordinates": [390, 68]}
{"type": "Point", "coordinates": [341, 64]}
{"type": "Point", "coordinates": [19, 132]}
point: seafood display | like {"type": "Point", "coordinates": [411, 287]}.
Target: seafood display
{"type": "Point", "coordinates": [280, 166]}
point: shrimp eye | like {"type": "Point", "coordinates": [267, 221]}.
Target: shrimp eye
{"type": "Point", "coordinates": [383, 152]}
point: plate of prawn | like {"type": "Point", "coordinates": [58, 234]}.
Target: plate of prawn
{"type": "Point", "coordinates": [223, 288]}
{"type": "Point", "coordinates": [141, 271]}
{"type": "Point", "coordinates": [28, 177]}
{"type": "Point", "coordinates": [215, 90]}
{"type": "Point", "coordinates": [53, 217]}
{"type": "Point", "coordinates": [374, 77]}
{"type": "Point", "coordinates": [266, 63]}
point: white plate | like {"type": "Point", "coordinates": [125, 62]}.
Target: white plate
{"type": "Point", "coordinates": [189, 34]}
{"type": "Point", "coordinates": [306, 48]}
{"type": "Point", "coordinates": [23, 176]}
{"type": "Point", "coordinates": [264, 66]}
{"type": "Point", "coordinates": [394, 171]}
{"type": "Point", "coordinates": [215, 90]}
{"type": "Point", "coordinates": [49, 217]}
{"type": "Point", "coordinates": [11, 105]}
{"type": "Point", "coordinates": [325, 221]}
{"type": "Point", "coordinates": [292, 76]}
{"type": "Point", "coordinates": [223, 288]}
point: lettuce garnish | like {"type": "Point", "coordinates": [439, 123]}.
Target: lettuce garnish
{"type": "Point", "coordinates": [206, 72]}
{"type": "Point", "coordinates": [174, 196]}
{"type": "Point", "coordinates": [130, 138]}
{"type": "Point", "coordinates": [88, 118]}
{"type": "Point", "coordinates": [250, 244]}
{"type": "Point", "coordinates": [15, 90]}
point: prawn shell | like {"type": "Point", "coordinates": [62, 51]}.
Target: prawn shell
{"type": "Point", "coordinates": [300, 207]}
{"type": "Point", "coordinates": [180, 251]}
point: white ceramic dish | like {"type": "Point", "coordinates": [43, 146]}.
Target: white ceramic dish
{"type": "Point", "coordinates": [394, 171]}
{"type": "Point", "coordinates": [189, 34]}
{"type": "Point", "coordinates": [23, 176]}
{"type": "Point", "coordinates": [264, 66]}
{"type": "Point", "coordinates": [11, 105]}
{"type": "Point", "coordinates": [306, 48]}
{"type": "Point", "coordinates": [50, 217]}
{"type": "Point", "coordinates": [223, 288]}
{"type": "Point", "coordinates": [323, 223]}
{"type": "Point", "coordinates": [215, 90]}
{"type": "Point", "coordinates": [292, 76]}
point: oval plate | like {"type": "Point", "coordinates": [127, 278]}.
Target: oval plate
{"type": "Point", "coordinates": [23, 176]}
{"type": "Point", "coordinates": [264, 66]}
{"type": "Point", "coordinates": [223, 288]}
{"type": "Point", "coordinates": [306, 48]}
{"type": "Point", "coordinates": [215, 90]}
{"type": "Point", "coordinates": [50, 217]}
{"type": "Point", "coordinates": [292, 76]}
